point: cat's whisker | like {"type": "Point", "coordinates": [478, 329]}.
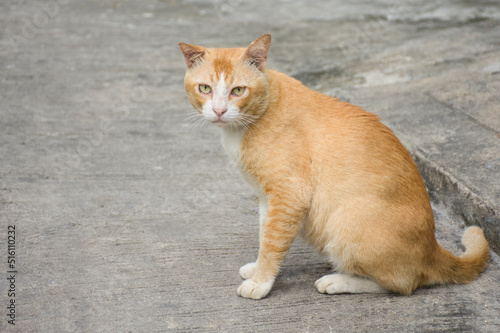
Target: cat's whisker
{"type": "Point", "coordinates": [187, 118]}
{"type": "Point", "coordinates": [192, 121]}
{"type": "Point", "coordinates": [244, 125]}
{"type": "Point", "coordinates": [198, 123]}
{"type": "Point", "coordinates": [247, 121]}
{"type": "Point", "coordinates": [240, 122]}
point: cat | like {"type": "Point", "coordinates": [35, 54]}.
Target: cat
{"type": "Point", "coordinates": [328, 170]}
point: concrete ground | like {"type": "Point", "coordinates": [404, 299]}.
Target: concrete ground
{"type": "Point", "coordinates": [128, 217]}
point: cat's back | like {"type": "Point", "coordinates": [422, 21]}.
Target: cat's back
{"type": "Point", "coordinates": [303, 122]}
{"type": "Point", "coordinates": [338, 137]}
{"type": "Point", "coordinates": [315, 113]}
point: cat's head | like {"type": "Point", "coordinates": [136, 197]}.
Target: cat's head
{"type": "Point", "coordinates": [229, 87]}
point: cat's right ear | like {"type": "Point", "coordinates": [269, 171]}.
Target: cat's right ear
{"type": "Point", "coordinates": [192, 53]}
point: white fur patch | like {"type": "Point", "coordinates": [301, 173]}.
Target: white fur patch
{"type": "Point", "coordinates": [231, 141]}
{"type": "Point", "coordinates": [348, 284]}
{"type": "Point", "coordinates": [255, 290]}
{"type": "Point", "coordinates": [247, 271]}
{"type": "Point", "coordinates": [221, 95]}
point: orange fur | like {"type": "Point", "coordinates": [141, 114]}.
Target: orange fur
{"type": "Point", "coordinates": [329, 170]}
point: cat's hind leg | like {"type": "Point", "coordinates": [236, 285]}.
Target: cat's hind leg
{"type": "Point", "coordinates": [348, 284]}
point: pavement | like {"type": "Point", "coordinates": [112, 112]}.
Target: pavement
{"type": "Point", "coordinates": [129, 218]}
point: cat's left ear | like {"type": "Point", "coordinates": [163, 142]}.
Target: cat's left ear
{"type": "Point", "coordinates": [256, 53]}
{"type": "Point", "coordinates": [192, 53]}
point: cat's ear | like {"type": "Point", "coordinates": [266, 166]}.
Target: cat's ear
{"type": "Point", "coordinates": [256, 53]}
{"type": "Point", "coordinates": [192, 53]}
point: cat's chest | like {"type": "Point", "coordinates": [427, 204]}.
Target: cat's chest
{"type": "Point", "coordinates": [232, 143]}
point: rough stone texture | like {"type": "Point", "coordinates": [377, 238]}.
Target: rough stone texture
{"type": "Point", "coordinates": [128, 216]}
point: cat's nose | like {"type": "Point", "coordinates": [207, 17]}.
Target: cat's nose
{"type": "Point", "coordinates": [219, 111]}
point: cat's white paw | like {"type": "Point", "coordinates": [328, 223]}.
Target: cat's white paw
{"type": "Point", "coordinates": [251, 289]}
{"type": "Point", "coordinates": [247, 271]}
{"type": "Point", "coordinates": [332, 284]}
{"type": "Point", "coordinates": [345, 283]}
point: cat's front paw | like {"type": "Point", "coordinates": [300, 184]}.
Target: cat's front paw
{"type": "Point", "coordinates": [255, 290]}
{"type": "Point", "coordinates": [247, 271]}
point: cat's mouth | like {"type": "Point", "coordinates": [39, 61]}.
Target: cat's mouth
{"type": "Point", "coordinates": [220, 123]}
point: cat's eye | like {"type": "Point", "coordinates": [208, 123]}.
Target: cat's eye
{"type": "Point", "coordinates": [238, 91]}
{"type": "Point", "coordinates": [205, 89]}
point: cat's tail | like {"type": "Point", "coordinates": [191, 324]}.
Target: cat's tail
{"type": "Point", "coordinates": [466, 268]}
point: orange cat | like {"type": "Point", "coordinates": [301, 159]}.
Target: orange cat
{"type": "Point", "coordinates": [328, 170]}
